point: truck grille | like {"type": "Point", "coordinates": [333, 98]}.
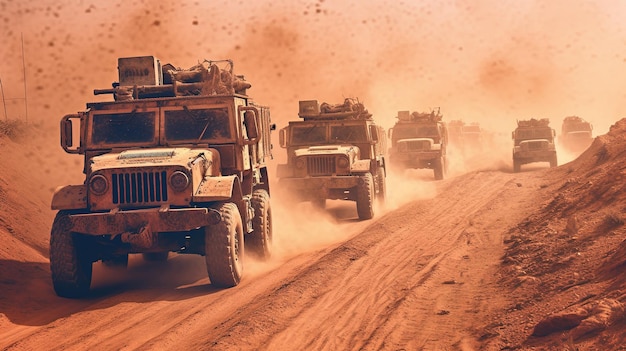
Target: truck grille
{"type": "Point", "coordinates": [536, 145]}
{"type": "Point", "coordinates": [418, 145]}
{"type": "Point", "coordinates": [139, 187]}
{"type": "Point", "coordinates": [321, 165]}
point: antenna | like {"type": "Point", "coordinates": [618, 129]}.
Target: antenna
{"type": "Point", "coordinates": [24, 69]}
{"type": "Point", "coordinates": [4, 101]}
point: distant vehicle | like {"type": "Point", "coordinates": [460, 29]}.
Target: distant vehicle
{"type": "Point", "coordinates": [533, 141]}
{"type": "Point", "coordinates": [335, 152]}
{"type": "Point", "coordinates": [455, 131]}
{"type": "Point", "coordinates": [576, 134]}
{"type": "Point", "coordinates": [472, 137]}
{"type": "Point", "coordinates": [419, 140]}
{"type": "Point", "coordinates": [177, 163]}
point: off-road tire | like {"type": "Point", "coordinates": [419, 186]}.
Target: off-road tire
{"type": "Point", "coordinates": [381, 184]}
{"type": "Point", "coordinates": [155, 256]}
{"type": "Point", "coordinates": [517, 166]}
{"type": "Point", "coordinates": [553, 161]}
{"type": "Point", "coordinates": [71, 271]}
{"type": "Point", "coordinates": [365, 196]}
{"type": "Point", "coordinates": [116, 261]}
{"type": "Point", "coordinates": [259, 242]}
{"type": "Point", "coordinates": [319, 203]}
{"type": "Point", "coordinates": [438, 168]}
{"type": "Point", "coordinates": [224, 248]}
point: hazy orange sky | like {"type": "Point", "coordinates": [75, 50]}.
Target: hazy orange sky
{"type": "Point", "coordinates": [488, 61]}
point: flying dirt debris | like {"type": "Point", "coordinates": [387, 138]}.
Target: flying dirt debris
{"type": "Point", "coordinates": [533, 141]}
{"type": "Point", "coordinates": [177, 163]}
{"type": "Point", "coordinates": [576, 134]}
{"type": "Point", "coordinates": [335, 152]}
{"type": "Point", "coordinates": [419, 140]}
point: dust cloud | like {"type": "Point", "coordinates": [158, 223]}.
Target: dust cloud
{"type": "Point", "coordinates": [490, 62]}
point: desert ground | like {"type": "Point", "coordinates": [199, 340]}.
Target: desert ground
{"type": "Point", "coordinates": [486, 259]}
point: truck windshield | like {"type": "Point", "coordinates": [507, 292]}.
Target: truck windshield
{"type": "Point", "coordinates": [197, 125]}
{"type": "Point", "coordinates": [123, 128]}
{"type": "Point", "coordinates": [348, 134]}
{"type": "Point", "coordinates": [304, 135]}
{"type": "Point", "coordinates": [527, 134]}
{"type": "Point", "coordinates": [415, 132]}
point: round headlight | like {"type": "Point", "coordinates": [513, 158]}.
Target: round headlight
{"type": "Point", "coordinates": [98, 184]}
{"type": "Point", "coordinates": [179, 181]}
{"type": "Point", "coordinates": [343, 162]}
{"type": "Point", "coordinates": [300, 163]}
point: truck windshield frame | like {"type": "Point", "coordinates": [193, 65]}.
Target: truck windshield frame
{"type": "Point", "coordinates": [198, 125]}
{"type": "Point", "coordinates": [110, 129]}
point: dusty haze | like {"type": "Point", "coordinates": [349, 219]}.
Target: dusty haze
{"type": "Point", "coordinates": [489, 61]}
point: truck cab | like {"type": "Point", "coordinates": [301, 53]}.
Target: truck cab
{"type": "Point", "coordinates": [334, 152]}
{"type": "Point", "coordinates": [174, 164]}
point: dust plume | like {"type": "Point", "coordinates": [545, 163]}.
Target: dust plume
{"type": "Point", "coordinates": [480, 61]}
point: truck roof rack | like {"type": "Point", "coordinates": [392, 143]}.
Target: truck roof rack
{"type": "Point", "coordinates": [432, 116]}
{"type": "Point", "coordinates": [351, 108]}
{"type": "Point", "coordinates": [534, 122]}
{"type": "Point", "coordinates": [144, 77]}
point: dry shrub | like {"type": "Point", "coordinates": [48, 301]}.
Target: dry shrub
{"type": "Point", "coordinates": [14, 129]}
{"type": "Point", "coordinates": [613, 220]}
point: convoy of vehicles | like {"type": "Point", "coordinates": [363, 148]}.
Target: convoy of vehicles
{"type": "Point", "coordinates": [533, 141]}
{"type": "Point", "coordinates": [176, 163]}
{"type": "Point", "coordinates": [335, 152]}
{"type": "Point", "coordinates": [419, 140]}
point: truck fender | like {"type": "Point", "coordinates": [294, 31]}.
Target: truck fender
{"type": "Point", "coordinates": [220, 188]}
{"type": "Point", "coordinates": [361, 166]}
{"type": "Point", "coordinates": [69, 197]}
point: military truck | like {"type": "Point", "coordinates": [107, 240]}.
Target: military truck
{"type": "Point", "coordinates": [455, 132]}
{"type": "Point", "coordinates": [576, 134]}
{"type": "Point", "coordinates": [334, 152]}
{"type": "Point", "coordinates": [419, 140]}
{"type": "Point", "coordinates": [533, 141]}
{"type": "Point", "coordinates": [176, 163]}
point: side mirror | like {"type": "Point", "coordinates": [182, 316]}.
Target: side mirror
{"type": "Point", "coordinates": [513, 135]}
{"type": "Point", "coordinates": [374, 132]}
{"type": "Point", "coordinates": [67, 131]}
{"type": "Point", "coordinates": [389, 133]}
{"type": "Point", "coordinates": [282, 138]}
{"type": "Point", "coordinates": [67, 139]}
{"type": "Point", "coordinates": [249, 120]}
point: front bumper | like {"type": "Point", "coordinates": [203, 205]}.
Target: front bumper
{"type": "Point", "coordinates": [156, 219]}
{"type": "Point", "coordinates": [535, 155]}
{"type": "Point", "coordinates": [319, 186]}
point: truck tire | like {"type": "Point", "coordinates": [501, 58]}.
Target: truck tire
{"type": "Point", "coordinates": [259, 242]}
{"type": "Point", "coordinates": [553, 161]}
{"type": "Point", "coordinates": [365, 196]}
{"type": "Point", "coordinates": [439, 168]}
{"type": "Point", "coordinates": [319, 203]}
{"type": "Point", "coordinates": [224, 248]}
{"type": "Point", "coordinates": [517, 166]}
{"type": "Point", "coordinates": [116, 261]}
{"type": "Point", "coordinates": [381, 184]}
{"type": "Point", "coordinates": [155, 256]}
{"type": "Point", "coordinates": [71, 271]}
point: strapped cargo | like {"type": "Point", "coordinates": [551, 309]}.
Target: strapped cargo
{"type": "Point", "coordinates": [144, 77]}
{"type": "Point", "coordinates": [534, 122]}
{"type": "Point", "coordinates": [350, 109]}
{"type": "Point", "coordinates": [433, 116]}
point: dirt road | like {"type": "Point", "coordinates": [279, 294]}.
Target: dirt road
{"type": "Point", "coordinates": [418, 277]}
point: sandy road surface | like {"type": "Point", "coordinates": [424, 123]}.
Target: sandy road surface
{"type": "Point", "coordinates": [419, 277]}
